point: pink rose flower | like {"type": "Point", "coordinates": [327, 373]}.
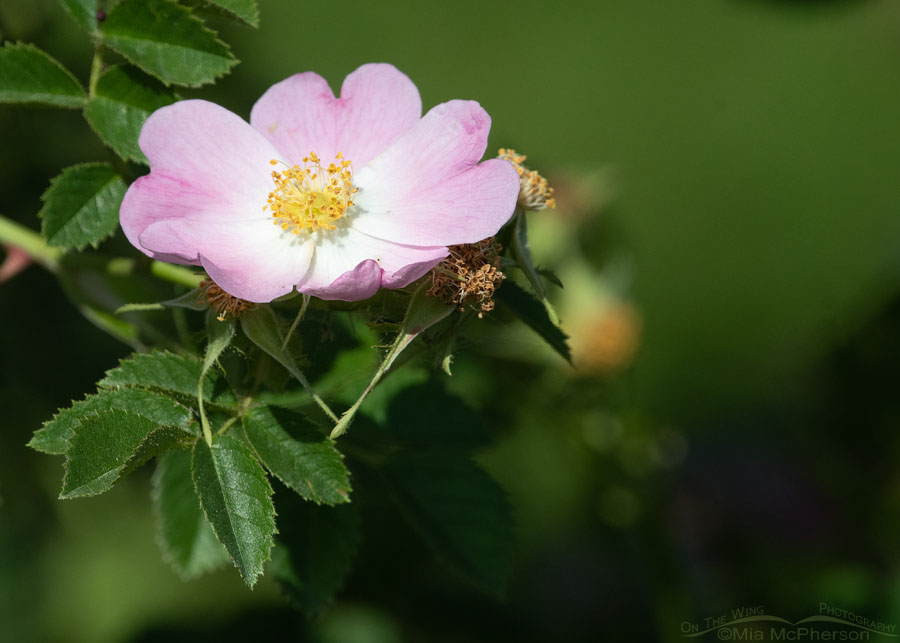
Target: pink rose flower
{"type": "Point", "coordinates": [337, 197]}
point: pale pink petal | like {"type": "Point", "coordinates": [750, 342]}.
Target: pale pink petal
{"type": "Point", "coordinates": [378, 103]}
{"type": "Point", "coordinates": [250, 260]}
{"type": "Point", "coordinates": [428, 189]}
{"type": "Point", "coordinates": [361, 282]}
{"type": "Point", "coordinates": [207, 166]}
{"type": "Point", "coordinates": [341, 255]}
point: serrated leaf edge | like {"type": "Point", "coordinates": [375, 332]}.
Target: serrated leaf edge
{"type": "Point", "coordinates": [271, 493]}
{"type": "Point", "coordinates": [142, 160]}
{"type": "Point", "coordinates": [239, 18]}
{"type": "Point", "coordinates": [345, 493]}
{"type": "Point", "coordinates": [232, 61]}
{"type": "Point", "coordinates": [181, 397]}
{"type": "Point", "coordinates": [53, 183]}
{"type": "Point", "coordinates": [168, 558]}
{"type": "Point", "coordinates": [115, 474]}
{"type": "Point", "coordinates": [98, 393]}
{"type": "Point", "coordinates": [41, 52]}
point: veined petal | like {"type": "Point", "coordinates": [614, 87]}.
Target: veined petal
{"type": "Point", "coordinates": [428, 188]}
{"type": "Point", "coordinates": [378, 103]}
{"type": "Point", "coordinates": [252, 260]}
{"type": "Point", "coordinates": [207, 166]}
{"type": "Point", "coordinates": [350, 265]}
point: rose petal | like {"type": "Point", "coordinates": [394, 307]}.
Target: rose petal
{"type": "Point", "coordinates": [378, 103]}
{"type": "Point", "coordinates": [340, 257]}
{"type": "Point", "coordinates": [207, 166]}
{"type": "Point", "coordinates": [362, 282]}
{"type": "Point", "coordinates": [246, 260]}
{"type": "Point", "coordinates": [428, 189]}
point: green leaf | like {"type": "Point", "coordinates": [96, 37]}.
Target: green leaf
{"type": "Point", "coordinates": [54, 437]}
{"type": "Point", "coordinates": [28, 75]}
{"type": "Point", "coordinates": [125, 98]}
{"type": "Point", "coordinates": [262, 327]}
{"type": "Point", "coordinates": [109, 444]}
{"type": "Point", "coordinates": [530, 310]}
{"type": "Point", "coordinates": [298, 455]}
{"type": "Point", "coordinates": [237, 499]}
{"type": "Point", "coordinates": [186, 538]}
{"type": "Point", "coordinates": [522, 252]}
{"type": "Point", "coordinates": [459, 511]}
{"type": "Point", "coordinates": [168, 41]}
{"type": "Point", "coordinates": [550, 276]}
{"type": "Point", "coordinates": [315, 551]}
{"type": "Point", "coordinates": [190, 300]}
{"type": "Point", "coordinates": [81, 206]}
{"type": "Point", "coordinates": [84, 12]}
{"type": "Point", "coordinates": [169, 373]}
{"type": "Point", "coordinates": [244, 10]}
{"type": "Point", "coordinates": [426, 415]}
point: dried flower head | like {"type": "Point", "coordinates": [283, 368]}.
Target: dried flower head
{"type": "Point", "coordinates": [469, 276]}
{"type": "Point", "coordinates": [220, 301]}
{"type": "Point", "coordinates": [535, 192]}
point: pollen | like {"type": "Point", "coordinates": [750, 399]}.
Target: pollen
{"type": "Point", "coordinates": [535, 192]}
{"type": "Point", "coordinates": [469, 276]}
{"type": "Point", "coordinates": [311, 197]}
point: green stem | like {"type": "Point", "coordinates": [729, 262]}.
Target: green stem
{"type": "Point", "coordinates": [204, 422]}
{"type": "Point", "coordinates": [31, 242]}
{"type": "Point", "coordinates": [403, 340]}
{"type": "Point", "coordinates": [423, 312]}
{"type": "Point", "coordinates": [176, 274]}
{"type": "Point", "coordinates": [297, 320]}
{"type": "Point", "coordinates": [96, 68]}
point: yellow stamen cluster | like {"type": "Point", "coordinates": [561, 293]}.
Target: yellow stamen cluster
{"type": "Point", "coordinates": [220, 301]}
{"type": "Point", "coordinates": [535, 192]}
{"type": "Point", "coordinates": [469, 276]}
{"type": "Point", "coordinates": [311, 197]}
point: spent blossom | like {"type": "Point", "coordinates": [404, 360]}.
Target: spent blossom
{"type": "Point", "coordinates": [535, 192]}
{"type": "Point", "coordinates": [469, 276]}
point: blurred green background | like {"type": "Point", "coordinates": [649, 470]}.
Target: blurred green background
{"type": "Point", "coordinates": [729, 182]}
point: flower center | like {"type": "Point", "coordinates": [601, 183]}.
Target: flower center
{"type": "Point", "coordinates": [310, 197]}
